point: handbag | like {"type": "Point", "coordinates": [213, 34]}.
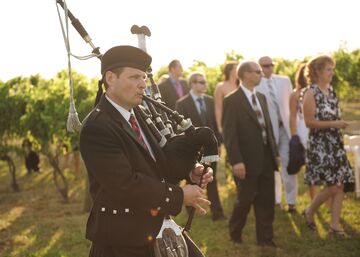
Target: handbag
{"type": "Point", "coordinates": [173, 241]}
{"type": "Point", "coordinates": [296, 155]}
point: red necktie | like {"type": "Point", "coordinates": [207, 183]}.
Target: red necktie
{"type": "Point", "coordinates": [135, 127]}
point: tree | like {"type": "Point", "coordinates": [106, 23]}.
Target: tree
{"type": "Point", "coordinates": [44, 121]}
{"type": "Point", "coordinates": [347, 73]}
{"type": "Point", "coordinates": [14, 95]}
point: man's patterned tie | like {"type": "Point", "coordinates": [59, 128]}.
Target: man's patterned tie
{"type": "Point", "coordinates": [260, 117]}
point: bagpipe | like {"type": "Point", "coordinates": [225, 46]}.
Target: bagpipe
{"type": "Point", "coordinates": [183, 144]}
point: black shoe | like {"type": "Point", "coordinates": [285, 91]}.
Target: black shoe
{"type": "Point", "coordinates": [292, 210]}
{"type": "Point", "coordinates": [279, 206]}
{"type": "Point", "coordinates": [237, 240]}
{"type": "Point", "coordinates": [268, 244]}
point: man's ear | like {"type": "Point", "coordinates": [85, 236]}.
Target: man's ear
{"type": "Point", "coordinates": [109, 77]}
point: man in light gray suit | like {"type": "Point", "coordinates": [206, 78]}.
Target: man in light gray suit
{"type": "Point", "coordinates": [277, 90]}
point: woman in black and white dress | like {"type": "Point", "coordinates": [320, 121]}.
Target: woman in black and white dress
{"type": "Point", "coordinates": [326, 160]}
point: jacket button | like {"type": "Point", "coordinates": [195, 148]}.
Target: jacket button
{"type": "Point", "coordinates": [114, 211]}
{"type": "Point", "coordinates": [170, 189]}
{"type": "Point", "coordinates": [127, 210]}
{"type": "Point", "coordinates": [167, 199]}
{"type": "Point", "coordinates": [103, 209]}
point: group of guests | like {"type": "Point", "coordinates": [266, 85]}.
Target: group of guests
{"type": "Point", "coordinates": [257, 115]}
{"type": "Point", "coordinates": [135, 186]}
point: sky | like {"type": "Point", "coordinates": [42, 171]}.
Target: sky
{"type": "Point", "coordinates": [205, 30]}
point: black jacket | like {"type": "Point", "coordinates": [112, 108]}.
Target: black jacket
{"type": "Point", "coordinates": [129, 195]}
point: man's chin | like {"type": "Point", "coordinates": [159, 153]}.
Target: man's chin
{"type": "Point", "coordinates": [139, 101]}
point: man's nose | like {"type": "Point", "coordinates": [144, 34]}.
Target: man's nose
{"type": "Point", "coordinates": [143, 84]}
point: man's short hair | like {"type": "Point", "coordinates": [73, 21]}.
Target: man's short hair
{"type": "Point", "coordinates": [173, 64]}
{"type": "Point", "coordinates": [244, 67]}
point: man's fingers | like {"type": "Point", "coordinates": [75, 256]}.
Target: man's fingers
{"type": "Point", "coordinates": [204, 201]}
{"type": "Point", "coordinates": [207, 178]}
{"type": "Point", "coordinates": [199, 209]}
{"type": "Point", "coordinates": [200, 192]}
{"type": "Point", "coordinates": [206, 182]}
{"type": "Point", "coordinates": [201, 201]}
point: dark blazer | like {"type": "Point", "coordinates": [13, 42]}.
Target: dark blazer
{"type": "Point", "coordinates": [168, 92]}
{"type": "Point", "coordinates": [187, 107]}
{"type": "Point", "coordinates": [242, 132]}
{"type": "Point", "coordinates": [129, 196]}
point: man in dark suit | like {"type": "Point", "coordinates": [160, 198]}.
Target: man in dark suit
{"type": "Point", "coordinates": [131, 185]}
{"type": "Point", "coordinates": [174, 87]}
{"type": "Point", "coordinates": [252, 152]}
{"type": "Point", "coordinates": [199, 107]}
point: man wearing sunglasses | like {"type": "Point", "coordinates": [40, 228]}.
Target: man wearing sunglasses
{"type": "Point", "coordinates": [277, 90]}
{"type": "Point", "coordinates": [199, 107]}
{"type": "Point", "coordinates": [252, 153]}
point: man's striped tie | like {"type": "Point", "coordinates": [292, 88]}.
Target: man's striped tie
{"type": "Point", "coordinates": [135, 127]}
{"type": "Point", "coordinates": [260, 117]}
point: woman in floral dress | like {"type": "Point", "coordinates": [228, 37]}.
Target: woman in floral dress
{"type": "Point", "coordinates": [326, 161]}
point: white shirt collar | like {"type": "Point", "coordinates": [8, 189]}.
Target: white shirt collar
{"type": "Point", "coordinates": [247, 91]}
{"type": "Point", "coordinates": [269, 80]}
{"type": "Point", "coordinates": [125, 113]}
{"type": "Point", "coordinates": [195, 96]}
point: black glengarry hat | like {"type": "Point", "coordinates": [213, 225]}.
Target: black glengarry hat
{"type": "Point", "coordinates": [125, 56]}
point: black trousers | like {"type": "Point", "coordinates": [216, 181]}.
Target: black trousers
{"type": "Point", "coordinates": [257, 191]}
{"type": "Point", "coordinates": [97, 250]}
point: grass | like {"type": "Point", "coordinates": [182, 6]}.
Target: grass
{"type": "Point", "coordinates": [35, 223]}
{"type": "Point", "coordinates": [350, 112]}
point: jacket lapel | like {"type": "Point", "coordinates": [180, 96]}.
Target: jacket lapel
{"type": "Point", "coordinates": [275, 85]}
{"type": "Point", "coordinates": [209, 110]}
{"type": "Point", "coordinates": [160, 159]}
